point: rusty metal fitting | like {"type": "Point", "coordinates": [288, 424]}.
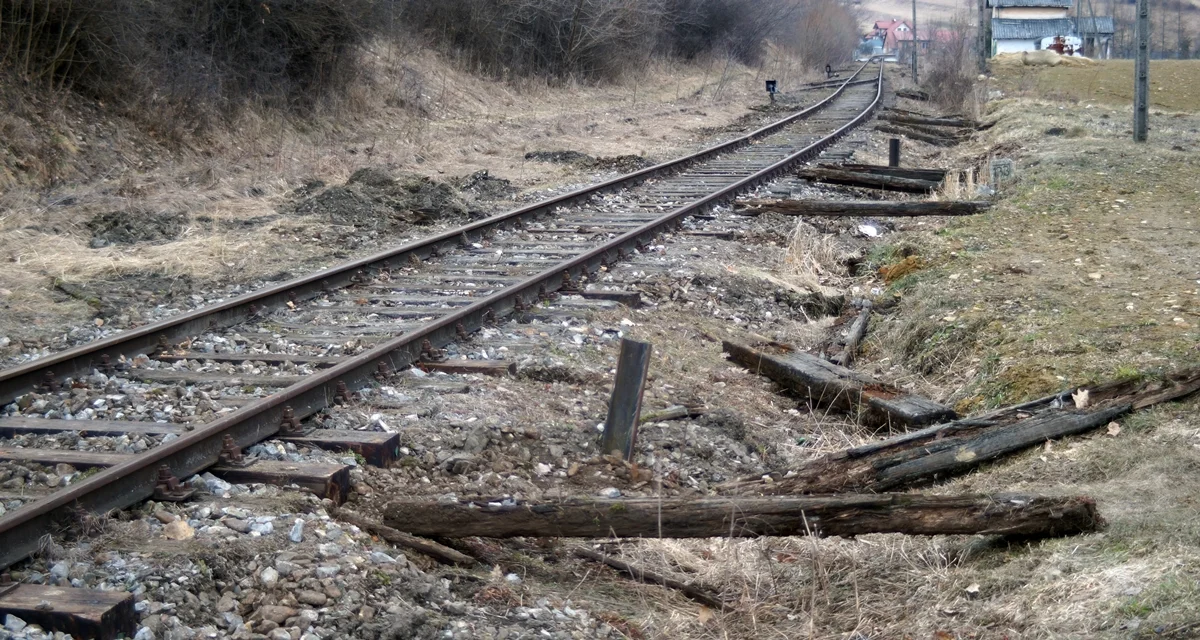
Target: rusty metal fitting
{"type": "Point", "coordinates": [289, 424]}
{"type": "Point", "coordinates": [342, 395]}
{"type": "Point", "coordinates": [414, 260]}
{"type": "Point", "coordinates": [519, 304]}
{"type": "Point", "coordinates": [489, 316]}
{"type": "Point", "coordinates": [462, 333]}
{"type": "Point", "coordinates": [231, 454]}
{"type": "Point", "coordinates": [568, 283]}
{"type": "Point", "coordinates": [359, 277]}
{"type": "Point", "coordinates": [383, 371]}
{"type": "Point", "coordinates": [429, 354]}
{"type": "Point", "coordinates": [164, 345]}
{"type": "Point", "coordinates": [169, 488]}
{"type": "Point", "coordinates": [434, 251]}
{"type": "Point", "coordinates": [106, 365]}
{"type": "Point", "coordinates": [49, 384]}
{"type": "Point", "coordinates": [326, 287]}
{"type": "Point", "coordinates": [254, 309]}
{"type": "Point", "coordinates": [464, 240]}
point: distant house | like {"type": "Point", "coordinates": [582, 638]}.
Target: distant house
{"type": "Point", "coordinates": [1028, 25]}
{"type": "Point", "coordinates": [887, 33]}
{"type": "Point", "coordinates": [922, 39]}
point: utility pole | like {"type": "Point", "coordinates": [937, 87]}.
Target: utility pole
{"type": "Point", "coordinates": [914, 32]}
{"type": "Point", "coordinates": [985, 35]}
{"type": "Point", "coordinates": [1141, 81]}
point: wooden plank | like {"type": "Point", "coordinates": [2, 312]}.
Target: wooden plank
{"type": "Point", "coordinates": [867, 180]}
{"type": "Point", "coordinates": [211, 377]}
{"type": "Point", "coordinates": [18, 425]}
{"type": "Point", "coordinates": [266, 358]}
{"type": "Point", "coordinates": [378, 448]}
{"type": "Point", "coordinates": [928, 121]}
{"type": "Point", "coordinates": [909, 132]}
{"type": "Point", "coordinates": [935, 454]}
{"type": "Point", "coordinates": [846, 515]}
{"type": "Point", "coordinates": [631, 299]}
{"type": "Point", "coordinates": [913, 94]}
{"type": "Point", "coordinates": [620, 428]}
{"type": "Point", "coordinates": [51, 457]}
{"type": "Point", "coordinates": [436, 386]}
{"type": "Point", "coordinates": [81, 613]}
{"type": "Point", "coordinates": [862, 208]}
{"type": "Point", "coordinates": [402, 313]}
{"type": "Point", "coordinates": [933, 175]}
{"type": "Point", "coordinates": [943, 450]}
{"type": "Point", "coordinates": [325, 480]}
{"type": "Point", "coordinates": [825, 384]}
{"type": "Point", "coordinates": [480, 367]}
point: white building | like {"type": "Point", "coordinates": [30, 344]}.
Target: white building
{"type": "Point", "coordinates": [1023, 25]}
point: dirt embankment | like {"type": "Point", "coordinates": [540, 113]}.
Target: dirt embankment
{"type": "Point", "coordinates": [91, 199]}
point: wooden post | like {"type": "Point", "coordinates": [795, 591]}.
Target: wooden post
{"type": "Point", "coordinates": [620, 429]}
{"type": "Point", "coordinates": [985, 35]}
{"type": "Point", "coordinates": [894, 152]}
{"type": "Point", "coordinates": [1141, 87]}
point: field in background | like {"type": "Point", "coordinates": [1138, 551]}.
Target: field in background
{"type": "Point", "coordinates": [1174, 84]}
{"type": "Point", "coordinates": [937, 10]}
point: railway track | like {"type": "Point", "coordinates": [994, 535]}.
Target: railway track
{"type": "Point", "coordinates": [215, 380]}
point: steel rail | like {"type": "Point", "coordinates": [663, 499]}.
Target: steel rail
{"type": "Point", "coordinates": [82, 359]}
{"type": "Point", "coordinates": [135, 480]}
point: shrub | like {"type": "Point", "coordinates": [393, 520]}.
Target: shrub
{"type": "Point", "coordinates": [186, 54]}
{"type": "Point", "coordinates": [822, 32]}
{"type": "Point", "coordinates": [950, 68]}
{"type": "Point", "coordinates": [587, 39]}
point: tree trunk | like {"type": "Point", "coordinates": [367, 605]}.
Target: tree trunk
{"type": "Point", "coordinates": [850, 515]}
{"type": "Point", "coordinates": [867, 208]}
{"type": "Point", "coordinates": [867, 180]}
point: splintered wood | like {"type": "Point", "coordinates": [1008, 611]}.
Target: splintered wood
{"type": "Point", "coordinates": [828, 385]}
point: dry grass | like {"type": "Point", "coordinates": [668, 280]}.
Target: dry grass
{"type": "Point", "coordinates": [1003, 312]}
{"type": "Point", "coordinates": [815, 260]}
{"type": "Point", "coordinates": [413, 113]}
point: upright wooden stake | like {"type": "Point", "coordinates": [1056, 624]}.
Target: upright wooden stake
{"type": "Point", "coordinates": [1141, 86]}
{"type": "Point", "coordinates": [620, 429]}
{"type": "Point", "coordinates": [894, 152]}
